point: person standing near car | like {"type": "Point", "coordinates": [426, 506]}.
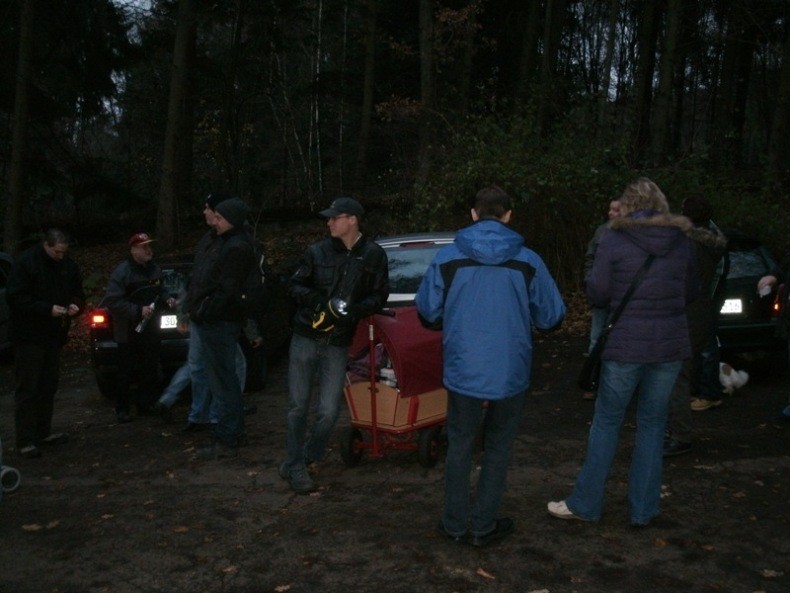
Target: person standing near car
{"type": "Point", "coordinates": [216, 309]}
{"type": "Point", "coordinates": [134, 292]}
{"type": "Point", "coordinates": [644, 351]}
{"type": "Point", "coordinates": [44, 293]}
{"type": "Point", "coordinates": [485, 291]}
{"type": "Point", "coordinates": [202, 412]}
{"type": "Point", "coordinates": [340, 280]}
{"type": "Point", "coordinates": [699, 376]}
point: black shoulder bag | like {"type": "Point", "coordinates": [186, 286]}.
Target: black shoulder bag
{"type": "Point", "coordinates": [591, 371]}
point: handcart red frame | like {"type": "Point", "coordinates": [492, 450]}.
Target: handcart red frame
{"type": "Point", "coordinates": [407, 416]}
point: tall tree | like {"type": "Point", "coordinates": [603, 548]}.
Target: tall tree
{"type": "Point", "coordinates": [16, 185]}
{"type": "Point", "coordinates": [779, 145]}
{"type": "Point", "coordinates": [670, 56]}
{"type": "Point", "coordinates": [649, 27]}
{"type": "Point", "coordinates": [178, 135]}
{"type": "Point", "coordinates": [368, 88]}
{"type": "Point", "coordinates": [427, 92]}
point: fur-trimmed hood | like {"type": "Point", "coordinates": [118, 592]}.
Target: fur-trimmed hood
{"type": "Point", "coordinates": [655, 232]}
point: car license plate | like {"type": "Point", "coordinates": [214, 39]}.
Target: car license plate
{"type": "Point", "coordinates": [732, 307]}
{"type": "Point", "coordinates": [168, 321]}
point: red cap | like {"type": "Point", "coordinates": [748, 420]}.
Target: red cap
{"type": "Point", "coordinates": [139, 239]}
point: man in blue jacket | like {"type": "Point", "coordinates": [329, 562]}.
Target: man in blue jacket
{"type": "Point", "coordinates": [486, 291]}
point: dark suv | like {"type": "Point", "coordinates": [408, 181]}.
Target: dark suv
{"type": "Point", "coordinates": [747, 319]}
{"type": "Point", "coordinates": [175, 343]}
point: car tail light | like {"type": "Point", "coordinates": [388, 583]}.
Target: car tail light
{"type": "Point", "coordinates": [100, 319]}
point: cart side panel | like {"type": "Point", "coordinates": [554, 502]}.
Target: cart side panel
{"type": "Point", "coordinates": [393, 411]}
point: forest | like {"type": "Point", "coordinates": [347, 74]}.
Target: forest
{"type": "Point", "coordinates": [123, 114]}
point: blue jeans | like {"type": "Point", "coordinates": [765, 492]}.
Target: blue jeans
{"type": "Point", "coordinates": [220, 347]}
{"type": "Point", "coordinates": [500, 425]}
{"type": "Point", "coordinates": [619, 381]}
{"type": "Point", "coordinates": [310, 360]}
{"type": "Point", "coordinates": [202, 410]}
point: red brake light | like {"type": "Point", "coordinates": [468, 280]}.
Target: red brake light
{"type": "Point", "coordinates": [98, 319]}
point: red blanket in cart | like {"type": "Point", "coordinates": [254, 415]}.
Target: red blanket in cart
{"type": "Point", "coordinates": [416, 352]}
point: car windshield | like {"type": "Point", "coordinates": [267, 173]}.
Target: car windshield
{"type": "Point", "coordinates": [407, 266]}
{"type": "Point", "coordinates": [748, 264]}
{"type": "Point", "coordinates": [175, 280]}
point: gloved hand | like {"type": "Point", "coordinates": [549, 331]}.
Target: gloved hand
{"type": "Point", "coordinates": [326, 315]}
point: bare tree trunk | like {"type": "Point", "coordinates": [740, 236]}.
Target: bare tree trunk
{"type": "Point", "coordinates": [648, 34]}
{"type": "Point", "coordinates": [662, 129]}
{"type": "Point", "coordinates": [779, 144]}
{"type": "Point", "coordinates": [552, 33]}
{"type": "Point", "coordinates": [528, 64]}
{"type": "Point", "coordinates": [369, 83]}
{"type": "Point", "coordinates": [606, 74]}
{"type": "Point", "coordinates": [730, 114]}
{"type": "Point", "coordinates": [18, 170]}
{"type": "Point", "coordinates": [427, 91]}
{"type": "Point", "coordinates": [177, 136]}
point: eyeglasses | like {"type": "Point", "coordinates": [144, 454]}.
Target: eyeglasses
{"type": "Point", "coordinates": [339, 216]}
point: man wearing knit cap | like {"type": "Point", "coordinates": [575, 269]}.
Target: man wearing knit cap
{"type": "Point", "coordinates": [216, 312]}
{"type": "Point", "coordinates": [193, 373]}
{"type": "Point", "coordinates": [340, 280]}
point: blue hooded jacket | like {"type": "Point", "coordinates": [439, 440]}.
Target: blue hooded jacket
{"type": "Point", "coordinates": [487, 290]}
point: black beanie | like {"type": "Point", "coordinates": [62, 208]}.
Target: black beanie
{"type": "Point", "coordinates": [216, 198]}
{"type": "Point", "coordinates": [234, 211]}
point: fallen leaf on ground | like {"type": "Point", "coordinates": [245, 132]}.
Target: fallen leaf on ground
{"type": "Point", "coordinates": [230, 569]}
{"type": "Point", "coordinates": [53, 524]}
{"type": "Point", "coordinates": [180, 529]}
{"type": "Point", "coordinates": [660, 543]}
{"type": "Point", "coordinates": [281, 588]}
{"type": "Point", "coordinates": [485, 574]}
{"type": "Point", "coordinates": [31, 527]}
{"type": "Point", "coordinates": [771, 574]}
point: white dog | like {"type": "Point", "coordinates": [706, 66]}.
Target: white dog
{"type": "Point", "coordinates": [731, 379]}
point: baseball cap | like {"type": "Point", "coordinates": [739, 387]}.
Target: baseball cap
{"type": "Point", "coordinates": [343, 206]}
{"type": "Point", "coordinates": [139, 239]}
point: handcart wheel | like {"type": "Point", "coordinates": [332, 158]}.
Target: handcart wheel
{"type": "Point", "coordinates": [428, 450]}
{"type": "Point", "coordinates": [350, 450]}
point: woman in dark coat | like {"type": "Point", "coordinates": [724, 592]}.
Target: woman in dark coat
{"type": "Point", "coordinates": [644, 351]}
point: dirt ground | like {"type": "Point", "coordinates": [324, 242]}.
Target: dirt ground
{"type": "Point", "coordinates": [128, 508]}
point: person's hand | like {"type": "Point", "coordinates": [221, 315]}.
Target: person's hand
{"type": "Point", "coordinates": [73, 310]}
{"type": "Point", "coordinates": [256, 342]}
{"type": "Point", "coordinates": [58, 311]}
{"type": "Point", "coordinates": [769, 281]}
{"type": "Point", "coordinates": [171, 302]}
{"type": "Point", "coordinates": [147, 311]}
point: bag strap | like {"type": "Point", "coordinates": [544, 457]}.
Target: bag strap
{"type": "Point", "coordinates": [626, 297]}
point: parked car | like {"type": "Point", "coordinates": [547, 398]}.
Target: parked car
{"type": "Point", "coordinates": [5, 315]}
{"type": "Point", "coordinates": [175, 343]}
{"type": "Point", "coordinates": [747, 319]}
{"type": "Point", "coordinates": [408, 257]}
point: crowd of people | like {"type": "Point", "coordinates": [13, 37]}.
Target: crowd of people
{"type": "Point", "coordinates": [486, 292]}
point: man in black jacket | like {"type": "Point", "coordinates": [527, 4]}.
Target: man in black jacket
{"type": "Point", "coordinates": [216, 309]}
{"type": "Point", "coordinates": [44, 293]}
{"type": "Point", "coordinates": [340, 280]}
{"type": "Point", "coordinates": [134, 292]}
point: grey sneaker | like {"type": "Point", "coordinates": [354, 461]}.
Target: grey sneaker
{"type": "Point", "coordinates": [299, 479]}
